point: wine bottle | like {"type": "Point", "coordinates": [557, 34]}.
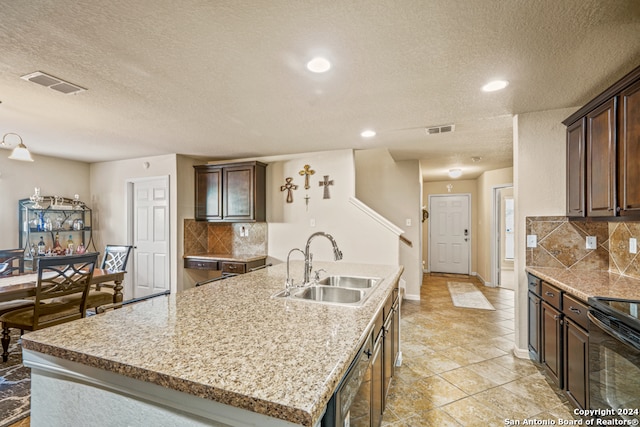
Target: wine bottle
{"type": "Point", "coordinates": [41, 246]}
{"type": "Point", "coordinates": [70, 245]}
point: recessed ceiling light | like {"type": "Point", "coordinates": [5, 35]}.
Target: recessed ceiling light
{"type": "Point", "coordinates": [495, 85]}
{"type": "Point", "coordinates": [455, 173]}
{"type": "Point", "coordinates": [368, 133]}
{"type": "Point", "coordinates": [319, 65]}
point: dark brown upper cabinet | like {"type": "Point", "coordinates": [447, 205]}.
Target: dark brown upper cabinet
{"type": "Point", "coordinates": [576, 169]}
{"type": "Point", "coordinates": [233, 192]}
{"type": "Point", "coordinates": [601, 160]}
{"type": "Point", "coordinates": [603, 153]}
{"type": "Point", "coordinates": [629, 151]}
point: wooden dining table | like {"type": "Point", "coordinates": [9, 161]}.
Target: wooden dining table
{"type": "Point", "coordinates": [24, 285]}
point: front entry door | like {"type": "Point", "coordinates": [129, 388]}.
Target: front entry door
{"type": "Point", "coordinates": [151, 236]}
{"type": "Point", "coordinates": [449, 234]}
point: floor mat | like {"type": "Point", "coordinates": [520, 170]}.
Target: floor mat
{"type": "Point", "coordinates": [468, 296]}
{"type": "Point", "coordinates": [15, 385]}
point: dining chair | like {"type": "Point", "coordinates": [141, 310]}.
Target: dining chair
{"type": "Point", "coordinates": [58, 277]}
{"type": "Point", "coordinates": [115, 259]}
{"type": "Point", "coordinates": [14, 260]}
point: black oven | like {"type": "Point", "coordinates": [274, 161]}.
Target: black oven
{"type": "Point", "coordinates": [614, 358]}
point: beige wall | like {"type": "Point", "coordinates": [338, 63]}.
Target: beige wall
{"type": "Point", "coordinates": [109, 203]}
{"type": "Point", "coordinates": [539, 156]}
{"type": "Point", "coordinates": [486, 183]}
{"type": "Point", "coordinates": [54, 176]}
{"type": "Point", "coordinates": [394, 189]}
{"type": "Point", "coordinates": [459, 187]}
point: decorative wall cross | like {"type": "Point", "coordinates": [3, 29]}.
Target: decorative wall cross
{"type": "Point", "coordinates": [306, 171]}
{"type": "Point", "coordinates": [289, 187]}
{"type": "Point", "coordinates": [326, 183]}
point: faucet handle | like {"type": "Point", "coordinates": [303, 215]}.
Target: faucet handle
{"type": "Point", "coordinates": [317, 274]}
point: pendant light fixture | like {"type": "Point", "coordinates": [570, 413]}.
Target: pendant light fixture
{"type": "Point", "coordinates": [20, 152]}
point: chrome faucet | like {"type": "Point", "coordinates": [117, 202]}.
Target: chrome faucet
{"type": "Point", "coordinates": [308, 256]}
{"type": "Point", "coordinates": [289, 283]}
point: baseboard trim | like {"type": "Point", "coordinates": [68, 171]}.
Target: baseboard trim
{"type": "Point", "coordinates": [521, 353]}
{"type": "Point", "coordinates": [412, 297]}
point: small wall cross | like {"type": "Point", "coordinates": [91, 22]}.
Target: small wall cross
{"type": "Point", "coordinates": [289, 187]}
{"type": "Point", "coordinates": [306, 171]}
{"type": "Point", "coordinates": [326, 183]}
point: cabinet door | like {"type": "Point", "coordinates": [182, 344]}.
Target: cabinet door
{"type": "Point", "coordinates": [629, 151]}
{"type": "Point", "coordinates": [387, 355]}
{"type": "Point", "coordinates": [396, 331]}
{"type": "Point", "coordinates": [208, 197]}
{"type": "Point", "coordinates": [601, 164]}
{"type": "Point", "coordinates": [575, 169]}
{"type": "Point", "coordinates": [576, 364]}
{"type": "Point", "coordinates": [551, 348]}
{"type": "Point", "coordinates": [534, 327]}
{"type": "Point", "coordinates": [238, 193]}
{"type": "Point", "coordinates": [377, 372]}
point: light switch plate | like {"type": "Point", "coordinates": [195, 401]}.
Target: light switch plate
{"type": "Point", "coordinates": [633, 245]}
{"type": "Point", "coordinates": [592, 242]}
{"type": "Point", "coordinates": [312, 222]}
{"type": "Point", "coordinates": [532, 241]}
{"type": "Point", "coordinates": [408, 222]}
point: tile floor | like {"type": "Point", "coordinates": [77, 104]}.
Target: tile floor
{"type": "Point", "coordinates": [458, 367]}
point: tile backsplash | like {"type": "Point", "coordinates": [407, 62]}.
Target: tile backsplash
{"type": "Point", "coordinates": [562, 244]}
{"type": "Point", "coordinates": [225, 238]}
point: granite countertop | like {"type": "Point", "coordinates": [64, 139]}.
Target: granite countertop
{"type": "Point", "coordinates": [226, 257]}
{"type": "Point", "coordinates": [589, 283]}
{"type": "Point", "coordinates": [230, 341]}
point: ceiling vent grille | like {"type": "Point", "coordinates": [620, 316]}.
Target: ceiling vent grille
{"type": "Point", "coordinates": [54, 83]}
{"type": "Point", "coordinates": [440, 129]}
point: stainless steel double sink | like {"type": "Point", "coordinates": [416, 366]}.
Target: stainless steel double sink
{"type": "Point", "coordinates": [337, 289]}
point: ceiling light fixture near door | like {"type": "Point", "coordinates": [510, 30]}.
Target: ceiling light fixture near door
{"type": "Point", "coordinates": [54, 83]}
{"type": "Point", "coordinates": [20, 152]}
{"type": "Point", "coordinates": [319, 65]}
{"type": "Point", "coordinates": [455, 173]}
{"type": "Point", "coordinates": [495, 85]}
{"type": "Point", "coordinates": [368, 133]}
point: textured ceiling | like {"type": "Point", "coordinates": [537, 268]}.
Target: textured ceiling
{"type": "Point", "coordinates": [226, 79]}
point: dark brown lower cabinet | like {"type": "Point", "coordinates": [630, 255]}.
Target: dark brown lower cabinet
{"type": "Point", "coordinates": [534, 311]}
{"type": "Point", "coordinates": [377, 381]}
{"type": "Point", "coordinates": [551, 345]}
{"type": "Point", "coordinates": [576, 362]}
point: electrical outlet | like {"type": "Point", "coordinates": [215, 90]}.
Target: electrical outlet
{"type": "Point", "coordinates": [408, 222]}
{"type": "Point", "coordinates": [532, 241]}
{"type": "Point", "coordinates": [633, 245]}
{"type": "Point", "coordinates": [592, 242]}
{"type": "Point", "coordinates": [312, 222]}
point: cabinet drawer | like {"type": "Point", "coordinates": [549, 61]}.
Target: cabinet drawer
{"type": "Point", "coordinates": [552, 295]}
{"type": "Point", "coordinates": [534, 284]}
{"type": "Point", "coordinates": [575, 310]}
{"type": "Point", "coordinates": [233, 267]}
{"type": "Point", "coordinates": [201, 264]}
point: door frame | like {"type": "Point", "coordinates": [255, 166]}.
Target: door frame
{"type": "Point", "coordinates": [469, 223]}
{"type": "Point", "coordinates": [130, 185]}
{"type": "Point", "coordinates": [495, 234]}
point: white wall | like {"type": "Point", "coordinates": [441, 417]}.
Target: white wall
{"type": "Point", "coordinates": [109, 203]}
{"type": "Point", "coordinates": [539, 156]}
{"type": "Point", "coordinates": [54, 176]}
{"type": "Point", "coordinates": [361, 239]}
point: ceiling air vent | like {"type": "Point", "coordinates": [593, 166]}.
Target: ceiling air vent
{"type": "Point", "coordinates": [440, 129]}
{"type": "Point", "coordinates": [53, 83]}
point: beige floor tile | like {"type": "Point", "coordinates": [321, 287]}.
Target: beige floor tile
{"type": "Point", "coordinates": [436, 362]}
{"type": "Point", "coordinates": [468, 381]}
{"type": "Point", "coordinates": [471, 412]}
{"type": "Point", "coordinates": [439, 390]}
{"type": "Point", "coordinates": [462, 356]}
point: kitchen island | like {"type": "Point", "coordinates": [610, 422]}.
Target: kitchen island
{"type": "Point", "coordinates": [220, 354]}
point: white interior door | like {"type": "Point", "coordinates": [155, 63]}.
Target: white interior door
{"type": "Point", "coordinates": [150, 236]}
{"type": "Point", "coordinates": [449, 234]}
